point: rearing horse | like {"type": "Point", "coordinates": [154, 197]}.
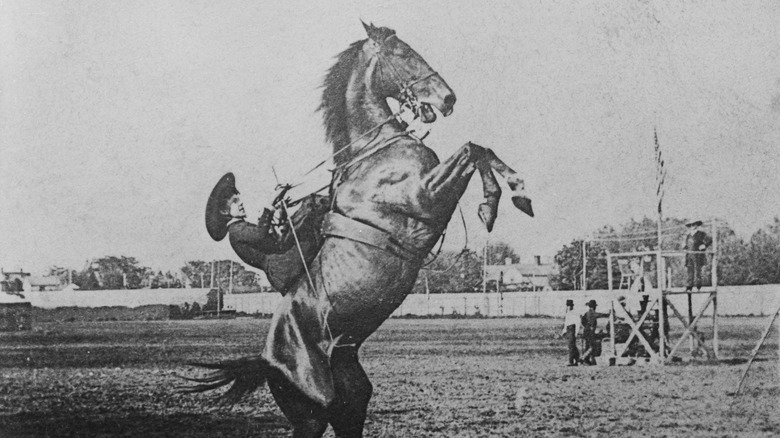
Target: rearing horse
{"type": "Point", "coordinates": [391, 202]}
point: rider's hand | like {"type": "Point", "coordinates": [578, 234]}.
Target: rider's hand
{"type": "Point", "coordinates": [271, 204]}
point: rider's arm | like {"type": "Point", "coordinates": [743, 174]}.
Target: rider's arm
{"type": "Point", "coordinates": [265, 219]}
{"type": "Point", "coordinates": [254, 235]}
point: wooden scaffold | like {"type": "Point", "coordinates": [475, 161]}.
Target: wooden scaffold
{"type": "Point", "coordinates": [648, 331]}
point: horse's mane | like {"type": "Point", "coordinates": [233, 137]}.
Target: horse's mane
{"type": "Point", "coordinates": [334, 94]}
{"type": "Point", "coordinates": [334, 98]}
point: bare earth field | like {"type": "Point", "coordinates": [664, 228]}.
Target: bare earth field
{"type": "Point", "coordinates": [432, 378]}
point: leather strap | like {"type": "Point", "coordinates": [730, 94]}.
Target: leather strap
{"type": "Point", "coordinates": [338, 225]}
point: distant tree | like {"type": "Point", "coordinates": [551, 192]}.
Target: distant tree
{"type": "Point", "coordinates": [739, 262]}
{"type": "Point", "coordinates": [165, 280]}
{"type": "Point", "coordinates": [764, 255]}
{"type": "Point", "coordinates": [111, 272]}
{"type": "Point", "coordinates": [498, 252]}
{"type": "Point", "coordinates": [631, 236]}
{"type": "Point", "coordinates": [733, 258]}
{"type": "Point", "coordinates": [199, 273]}
{"type": "Point", "coordinates": [198, 269]}
{"type": "Point", "coordinates": [569, 261]}
{"type": "Point", "coordinates": [451, 272]}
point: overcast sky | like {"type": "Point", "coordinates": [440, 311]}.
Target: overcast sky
{"type": "Point", "coordinates": [117, 118]}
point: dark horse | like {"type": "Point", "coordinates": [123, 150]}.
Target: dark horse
{"type": "Point", "coordinates": [391, 202]}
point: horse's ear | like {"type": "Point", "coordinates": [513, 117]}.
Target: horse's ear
{"type": "Point", "coordinates": [372, 31]}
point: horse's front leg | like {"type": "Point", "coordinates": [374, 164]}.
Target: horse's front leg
{"type": "Point", "coordinates": [446, 183]}
{"type": "Point", "coordinates": [488, 210]}
{"type": "Point", "coordinates": [516, 184]}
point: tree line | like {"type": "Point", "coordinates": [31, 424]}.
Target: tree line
{"type": "Point", "coordinates": [122, 272]}
{"type": "Point", "coordinates": [740, 262]}
{"type": "Point", "coordinates": [450, 271]}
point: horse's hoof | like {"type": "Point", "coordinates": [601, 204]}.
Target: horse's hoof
{"type": "Point", "coordinates": [523, 204]}
{"type": "Point", "coordinates": [487, 215]}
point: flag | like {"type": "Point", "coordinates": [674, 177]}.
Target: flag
{"type": "Point", "coordinates": [660, 172]}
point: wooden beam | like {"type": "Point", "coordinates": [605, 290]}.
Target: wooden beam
{"type": "Point", "coordinates": [612, 328]}
{"type": "Point", "coordinates": [584, 266]}
{"type": "Point", "coordinates": [681, 291]}
{"type": "Point", "coordinates": [755, 350]}
{"type": "Point", "coordinates": [635, 332]}
{"type": "Point", "coordinates": [690, 315]}
{"type": "Point", "coordinates": [664, 253]}
{"type": "Point", "coordinates": [695, 336]}
{"type": "Point", "coordinates": [691, 326]}
{"type": "Point", "coordinates": [715, 340]}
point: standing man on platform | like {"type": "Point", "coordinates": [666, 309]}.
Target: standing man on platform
{"type": "Point", "coordinates": [571, 326]}
{"type": "Point", "coordinates": [696, 242]}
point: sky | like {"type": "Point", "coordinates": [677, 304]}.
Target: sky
{"type": "Point", "coordinates": [117, 118]}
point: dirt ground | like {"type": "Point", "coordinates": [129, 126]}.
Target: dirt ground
{"type": "Point", "coordinates": [432, 378]}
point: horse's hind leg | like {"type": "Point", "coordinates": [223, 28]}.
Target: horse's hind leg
{"type": "Point", "coordinates": [347, 415]}
{"type": "Point", "coordinates": [308, 418]}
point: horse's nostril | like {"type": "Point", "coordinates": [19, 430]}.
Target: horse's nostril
{"type": "Point", "coordinates": [449, 100]}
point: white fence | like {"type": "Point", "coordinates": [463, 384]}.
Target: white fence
{"type": "Point", "coordinates": [122, 297]}
{"type": "Point", "coordinates": [732, 301]}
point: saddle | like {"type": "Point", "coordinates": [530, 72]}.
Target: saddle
{"type": "Point", "coordinates": [283, 269]}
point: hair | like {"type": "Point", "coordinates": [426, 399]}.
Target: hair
{"type": "Point", "coordinates": [334, 92]}
{"type": "Point", "coordinates": [225, 197]}
{"type": "Point", "coordinates": [334, 98]}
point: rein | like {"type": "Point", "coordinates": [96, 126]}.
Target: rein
{"type": "Point", "coordinates": [407, 98]}
{"type": "Point", "coordinates": [463, 251]}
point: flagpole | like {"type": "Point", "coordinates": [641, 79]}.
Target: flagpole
{"type": "Point", "coordinates": [660, 173]}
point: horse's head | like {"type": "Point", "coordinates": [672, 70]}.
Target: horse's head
{"type": "Point", "coordinates": [404, 75]}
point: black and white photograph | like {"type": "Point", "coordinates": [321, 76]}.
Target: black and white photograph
{"type": "Point", "coordinates": [389, 218]}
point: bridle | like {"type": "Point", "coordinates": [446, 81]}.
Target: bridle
{"type": "Point", "coordinates": [407, 99]}
{"type": "Point", "coordinates": [407, 96]}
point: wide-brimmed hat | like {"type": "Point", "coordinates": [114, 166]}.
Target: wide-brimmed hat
{"type": "Point", "coordinates": [216, 221]}
{"type": "Point", "coordinates": [569, 302]}
{"type": "Point", "coordinates": [592, 303]}
{"type": "Point", "coordinates": [693, 224]}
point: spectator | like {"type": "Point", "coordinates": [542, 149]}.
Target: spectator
{"type": "Point", "coordinates": [696, 242]}
{"type": "Point", "coordinates": [571, 326]}
{"type": "Point", "coordinates": [592, 340]}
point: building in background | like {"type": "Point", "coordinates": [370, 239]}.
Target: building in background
{"type": "Point", "coordinates": [16, 282]}
{"type": "Point", "coordinates": [519, 276]}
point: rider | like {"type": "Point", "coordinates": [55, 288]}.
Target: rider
{"type": "Point", "coordinates": [268, 245]}
{"type": "Point", "coordinates": [225, 214]}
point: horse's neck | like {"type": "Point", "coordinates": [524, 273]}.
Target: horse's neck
{"type": "Point", "coordinates": [368, 114]}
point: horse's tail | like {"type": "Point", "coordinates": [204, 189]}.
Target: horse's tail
{"type": "Point", "coordinates": [247, 374]}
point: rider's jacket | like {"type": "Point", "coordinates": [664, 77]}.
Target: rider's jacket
{"type": "Point", "coordinates": [253, 242]}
